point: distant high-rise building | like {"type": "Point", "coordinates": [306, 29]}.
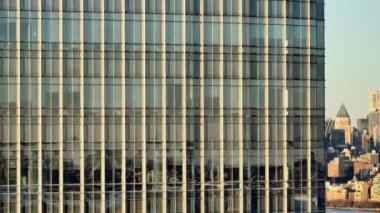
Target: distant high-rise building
{"type": "Point", "coordinates": [356, 137]}
{"type": "Point", "coordinates": [376, 135]}
{"type": "Point", "coordinates": [362, 124]}
{"type": "Point", "coordinates": [337, 137]}
{"type": "Point", "coordinates": [374, 101]}
{"type": "Point", "coordinates": [373, 120]}
{"type": "Point", "coordinates": [366, 141]}
{"type": "Point", "coordinates": [343, 121]}
{"type": "Point", "coordinates": [329, 127]}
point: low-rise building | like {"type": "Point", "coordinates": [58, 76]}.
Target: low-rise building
{"type": "Point", "coordinates": [366, 161]}
{"type": "Point", "coordinates": [339, 166]}
{"type": "Point", "coordinates": [351, 195]}
{"type": "Point", "coordinates": [336, 193]}
{"type": "Point", "coordinates": [371, 157]}
{"type": "Point", "coordinates": [361, 165]}
{"type": "Point", "coordinates": [360, 189]}
{"type": "Point", "coordinates": [375, 189]}
{"type": "Point", "coordinates": [347, 153]}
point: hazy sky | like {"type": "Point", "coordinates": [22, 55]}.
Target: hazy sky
{"type": "Point", "coordinates": [352, 55]}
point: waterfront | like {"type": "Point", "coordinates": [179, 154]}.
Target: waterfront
{"type": "Point", "coordinates": [350, 211]}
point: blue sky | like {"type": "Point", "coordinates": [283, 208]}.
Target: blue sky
{"type": "Point", "coordinates": [352, 54]}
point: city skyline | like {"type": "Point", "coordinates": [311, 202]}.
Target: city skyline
{"type": "Point", "coordinates": [373, 107]}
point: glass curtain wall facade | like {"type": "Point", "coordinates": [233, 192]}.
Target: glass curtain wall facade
{"type": "Point", "coordinates": [162, 106]}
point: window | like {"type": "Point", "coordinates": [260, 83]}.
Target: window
{"type": "Point", "coordinates": [173, 6]}
{"type": "Point", "coordinates": [230, 34]}
{"type": "Point", "coordinates": [71, 5]}
{"type": "Point", "coordinates": [133, 5]}
{"type": "Point", "coordinates": [211, 7]}
{"type": "Point", "coordinates": [50, 30]}
{"type": "Point", "coordinates": [192, 6]}
{"type": "Point", "coordinates": [153, 32]}
{"type": "Point", "coordinates": [133, 94]}
{"type": "Point", "coordinates": [71, 30]}
{"type": "Point", "coordinates": [91, 5]}
{"type": "Point", "coordinates": [173, 33]}
{"type": "Point", "coordinates": [91, 31]}
{"type": "Point", "coordinates": [133, 32]}
{"type": "Point", "coordinates": [153, 6]}
{"type": "Point", "coordinates": [212, 34]}
{"type": "Point", "coordinates": [8, 4]}
{"type": "Point", "coordinates": [153, 94]}
{"type": "Point", "coordinates": [112, 31]}
{"type": "Point", "coordinates": [92, 95]}
{"type": "Point", "coordinates": [8, 32]}
{"type": "Point", "coordinates": [28, 5]}
{"type": "Point", "coordinates": [50, 5]}
{"type": "Point", "coordinates": [112, 5]}
{"type": "Point", "coordinates": [28, 30]}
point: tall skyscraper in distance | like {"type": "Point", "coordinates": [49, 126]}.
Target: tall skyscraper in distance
{"type": "Point", "coordinates": [374, 101]}
{"type": "Point", "coordinates": [376, 135]}
{"type": "Point", "coordinates": [373, 120]}
{"type": "Point", "coordinates": [366, 141]}
{"type": "Point", "coordinates": [343, 121]}
{"type": "Point", "coordinates": [362, 124]}
{"type": "Point", "coordinates": [374, 111]}
{"type": "Point", "coordinates": [162, 106]}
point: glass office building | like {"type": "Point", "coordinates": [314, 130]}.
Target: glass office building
{"type": "Point", "coordinates": [161, 106]}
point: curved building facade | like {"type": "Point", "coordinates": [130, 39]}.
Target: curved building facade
{"type": "Point", "coordinates": [162, 106]}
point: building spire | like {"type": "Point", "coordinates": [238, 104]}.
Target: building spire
{"type": "Point", "coordinates": [342, 113]}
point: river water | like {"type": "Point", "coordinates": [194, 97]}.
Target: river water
{"type": "Point", "coordinates": [349, 211]}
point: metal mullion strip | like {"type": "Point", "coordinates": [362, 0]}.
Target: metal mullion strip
{"type": "Point", "coordinates": [102, 111]}
{"type": "Point", "coordinates": [60, 94]}
{"type": "Point", "coordinates": [285, 109]}
{"type": "Point", "coordinates": [221, 111]}
{"type": "Point", "coordinates": [266, 105]}
{"type": "Point", "coordinates": [183, 104]}
{"type": "Point", "coordinates": [18, 110]}
{"type": "Point", "coordinates": [202, 118]}
{"type": "Point", "coordinates": [123, 145]}
{"type": "Point", "coordinates": [309, 189]}
{"type": "Point", "coordinates": [39, 90]}
{"type": "Point", "coordinates": [143, 129]}
{"type": "Point", "coordinates": [163, 70]}
{"type": "Point", "coordinates": [240, 113]}
{"type": "Point", "coordinates": [81, 104]}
